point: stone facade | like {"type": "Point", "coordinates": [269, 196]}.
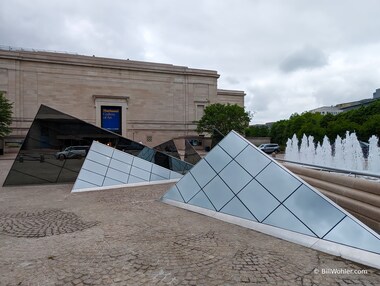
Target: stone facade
{"type": "Point", "coordinates": [158, 101]}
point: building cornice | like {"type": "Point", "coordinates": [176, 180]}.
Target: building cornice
{"type": "Point", "coordinates": [100, 62]}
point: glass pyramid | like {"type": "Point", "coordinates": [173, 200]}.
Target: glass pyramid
{"type": "Point", "coordinates": [56, 146]}
{"type": "Point", "coordinates": [169, 148]}
{"type": "Point", "coordinates": [237, 179]}
{"type": "Point", "coordinates": [191, 155]}
{"type": "Point", "coordinates": [107, 166]}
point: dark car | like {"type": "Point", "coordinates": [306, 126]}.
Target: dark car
{"type": "Point", "coordinates": [269, 148]}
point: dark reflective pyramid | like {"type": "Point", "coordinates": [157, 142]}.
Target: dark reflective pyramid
{"type": "Point", "coordinates": [191, 155]}
{"type": "Point", "coordinates": [57, 144]}
{"type": "Point", "coordinates": [169, 148]}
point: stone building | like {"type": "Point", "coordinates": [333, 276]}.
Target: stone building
{"type": "Point", "coordinates": [146, 102]}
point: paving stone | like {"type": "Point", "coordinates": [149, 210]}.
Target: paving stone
{"type": "Point", "coordinates": [127, 237]}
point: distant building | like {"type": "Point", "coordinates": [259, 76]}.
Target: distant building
{"type": "Point", "coordinates": [346, 106]}
{"type": "Point", "coordinates": [376, 94]}
{"type": "Point", "coordinates": [327, 110]}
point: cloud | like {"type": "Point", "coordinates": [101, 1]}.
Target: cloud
{"type": "Point", "coordinates": [305, 58]}
{"type": "Point", "coordinates": [287, 56]}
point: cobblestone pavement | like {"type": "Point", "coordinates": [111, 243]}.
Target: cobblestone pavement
{"type": "Point", "coordinates": [127, 237]}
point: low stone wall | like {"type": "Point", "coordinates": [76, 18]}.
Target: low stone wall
{"type": "Point", "coordinates": [358, 196]}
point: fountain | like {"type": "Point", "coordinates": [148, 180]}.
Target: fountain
{"type": "Point", "coordinates": [343, 154]}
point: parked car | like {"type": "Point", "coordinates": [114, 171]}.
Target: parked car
{"type": "Point", "coordinates": [269, 148]}
{"type": "Point", "coordinates": [72, 152]}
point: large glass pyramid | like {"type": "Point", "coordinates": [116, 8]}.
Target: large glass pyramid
{"type": "Point", "coordinates": [56, 146]}
{"type": "Point", "coordinates": [107, 166]}
{"type": "Point", "coordinates": [238, 180]}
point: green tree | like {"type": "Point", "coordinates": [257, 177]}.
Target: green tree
{"type": "Point", "coordinates": [257, 131]}
{"type": "Point", "coordinates": [224, 118]}
{"type": "Point", "coordinates": [5, 116]}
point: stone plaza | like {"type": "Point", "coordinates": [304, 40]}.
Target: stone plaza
{"type": "Point", "coordinates": [49, 236]}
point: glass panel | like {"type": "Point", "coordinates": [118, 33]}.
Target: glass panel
{"type": "Point", "coordinates": [235, 176]}
{"type": "Point", "coordinates": [147, 154]}
{"type": "Point", "coordinates": [95, 167]}
{"type": "Point", "coordinates": [168, 148]}
{"type": "Point", "coordinates": [283, 218]}
{"type": "Point", "coordinates": [173, 194]}
{"type": "Point", "coordinates": [16, 178]}
{"type": "Point", "coordinates": [140, 173]}
{"type": "Point", "coordinates": [236, 208]}
{"type": "Point", "coordinates": [96, 157]}
{"type": "Point", "coordinates": [188, 187]}
{"type": "Point", "coordinates": [191, 155]}
{"type": "Point", "coordinates": [218, 159]}
{"type": "Point", "coordinates": [258, 200]}
{"type": "Point", "coordinates": [350, 233]}
{"type": "Point", "coordinates": [142, 164]}
{"type": "Point", "coordinates": [279, 182]}
{"type": "Point", "coordinates": [154, 177]}
{"type": "Point", "coordinates": [252, 160]}
{"type": "Point", "coordinates": [218, 192]}
{"type": "Point", "coordinates": [123, 157]}
{"type": "Point", "coordinates": [175, 175]}
{"type": "Point", "coordinates": [233, 144]}
{"type": "Point", "coordinates": [115, 164]}
{"type": "Point", "coordinates": [35, 169]}
{"type": "Point", "coordinates": [203, 173]}
{"type": "Point", "coordinates": [91, 177]}
{"type": "Point", "coordinates": [117, 175]}
{"type": "Point", "coordinates": [79, 184]}
{"type": "Point", "coordinates": [67, 176]}
{"type": "Point", "coordinates": [165, 173]}
{"type": "Point", "coordinates": [110, 182]}
{"type": "Point", "coordinates": [313, 210]}
{"type": "Point", "coordinates": [133, 180]}
{"type": "Point", "coordinates": [102, 149]}
{"type": "Point", "coordinates": [202, 201]}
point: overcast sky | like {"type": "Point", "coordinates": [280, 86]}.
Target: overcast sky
{"type": "Point", "coordinates": [287, 55]}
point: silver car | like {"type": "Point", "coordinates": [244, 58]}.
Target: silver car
{"type": "Point", "coordinates": [270, 148]}
{"type": "Point", "coordinates": [72, 152]}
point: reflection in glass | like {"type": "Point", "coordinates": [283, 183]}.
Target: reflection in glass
{"type": "Point", "coordinates": [91, 177]}
{"type": "Point", "coordinates": [168, 148]}
{"type": "Point", "coordinates": [218, 192]}
{"type": "Point", "coordinates": [57, 142]}
{"type": "Point", "coordinates": [203, 172]}
{"type": "Point", "coordinates": [313, 210]}
{"type": "Point", "coordinates": [95, 167]}
{"type": "Point", "coordinates": [121, 177]}
{"type": "Point", "coordinates": [252, 160]}
{"type": "Point", "coordinates": [235, 176]}
{"type": "Point", "coordinates": [216, 137]}
{"type": "Point", "coordinates": [236, 208]}
{"type": "Point", "coordinates": [351, 233]}
{"type": "Point", "coordinates": [173, 194]}
{"type": "Point", "coordinates": [217, 158]}
{"type": "Point", "coordinates": [188, 187]}
{"type": "Point", "coordinates": [202, 201]}
{"type": "Point", "coordinates": [258, 200]}
{"type": "Point", "coordinates": [233, 144]}
{"type": "Point", "coordinates": [283, 218]}
{"type": "Point", "coordinates": [282, 186]}
{"type": "Point", "coordinates": [191, 155]}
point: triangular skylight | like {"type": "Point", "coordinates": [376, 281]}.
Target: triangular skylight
{"type": "Point", "coordinates": [237, 179]}
{"type": "Point", "coordinates": [106, 166]}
